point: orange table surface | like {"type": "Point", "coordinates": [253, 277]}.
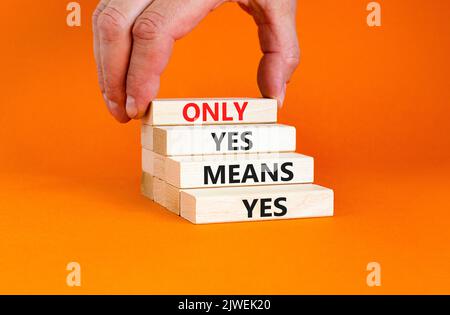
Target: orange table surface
{"type": "Point", "coordinates": [125, 243]}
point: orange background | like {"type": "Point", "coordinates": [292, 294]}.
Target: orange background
{"type": "Point", "coordinates": [370, 104]}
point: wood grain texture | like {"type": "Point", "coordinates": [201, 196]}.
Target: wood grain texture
{"type": "Point", "coordinates": [220, 139]}
{"type": "Point", "coordinates": [153, 163]}
{"type": "Point", "coordinates": [172, 198]}
{"type": "Point", "coordinates": [161, 192]}
{"type": "Point", "coordinates": [147, 185]}
{"type": "Point", "coordinates": [232, 204]}
{"type": "Point", "coordinates": [211, 111]}
{"type": "Point", "coordinates": [147, 137]}
{"type": "Point", "coordinates": [237, 169]}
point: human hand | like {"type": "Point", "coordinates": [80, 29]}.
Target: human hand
{"type": "Point", "coordinates": [133, 41]}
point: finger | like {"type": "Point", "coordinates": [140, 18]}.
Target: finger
{"type": "Point", "coordinates": [154, 34]}
{"type": "Point", "coordinates": [98, 10]}
{"type": "Point", "coordinates": [98, 60]}
{"type": "Point", "coordinates": [278, 39]}
{"type": "Point", "coordinates": [115, 24]}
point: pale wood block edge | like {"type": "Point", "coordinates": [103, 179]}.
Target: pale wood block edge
{"type": "Point", "coordinates": [317, 202]}
{"type": "Point", "coordinates": [147, 161]}
{"type": "Point", "coordinates": [147, 137]}
{"type": "Point", "coordinates": [160, 141]}
{"type": "Point", "coordinates": [172, 198]}
{"type": "Point", "coordinates": [172, 172]}
{"type": "Point", "coordinates": [189, 174]}
{"type": "Point", "coordinates": [187, 207]}
{"type": "Point", "coordinates": [159, 191]}
{"type": "Point", "coordinates": [167, 112]}
{"type": "Point", "coordinates": [147, 185]}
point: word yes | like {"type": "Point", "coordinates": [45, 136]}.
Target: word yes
{"type": "Point", "coordinates": [232, 140]}
{"type": "Point", "coordinates": [265, 204]}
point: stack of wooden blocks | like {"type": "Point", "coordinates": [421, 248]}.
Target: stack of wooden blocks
{"type": "Point", "coordinates": [227, 160]}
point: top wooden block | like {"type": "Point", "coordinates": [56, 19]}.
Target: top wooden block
{"type": "Point", "coordinates": [164, 112]}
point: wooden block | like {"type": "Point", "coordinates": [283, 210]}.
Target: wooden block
{"type": "Point", "coordinates": [211, 111]}
{"type": "Point", "coordinates": [156, 189]}
{"type": "Point", "coordinates": [163, 193]}
{"type": "Point", "coordinates": [196, 171]}
{"type": "Point", "coordinates": [147, 137]}
{"type": "Point", "coordinates": [219, 139]}
{"type": "Point", "coordinates": [172, 198]}
{"type": "Point", "coordinates": [231, 204]}
{"type": "Point", "coordinates": [147, 185]}
{"type": "Point", "coordinates": [153, 163]}
{"type": "Point", "coordinates": [159, 191]}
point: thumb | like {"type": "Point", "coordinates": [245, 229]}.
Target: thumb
{"type": "Point", "coordinates": [278, 39]}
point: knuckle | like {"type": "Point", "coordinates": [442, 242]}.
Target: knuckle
{"type": "Point", "coordinates": [113, 88]}
{"type": "Point", "coordinates": [98, 10]}
{"type": "Point", "coordinates": [111, 24]}
{"type": "Point", "coordinates": [148, 26]}
{"type": "Point", "coordinates": [95, 16]}
{"type": "Point", "coordinates": [134, 82]}
{"type": "Point", "coordinates": [292, 57]}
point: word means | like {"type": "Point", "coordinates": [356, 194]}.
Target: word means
{"type": "Point", "coordinates": [235, 176]}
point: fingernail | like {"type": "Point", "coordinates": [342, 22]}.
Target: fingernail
{"type": "Point", "coordinates": [282, 96]}
{"type": "Point", "coordinates": [113, 107]}
{"type": "Point", "coordinates": [131, 107]}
